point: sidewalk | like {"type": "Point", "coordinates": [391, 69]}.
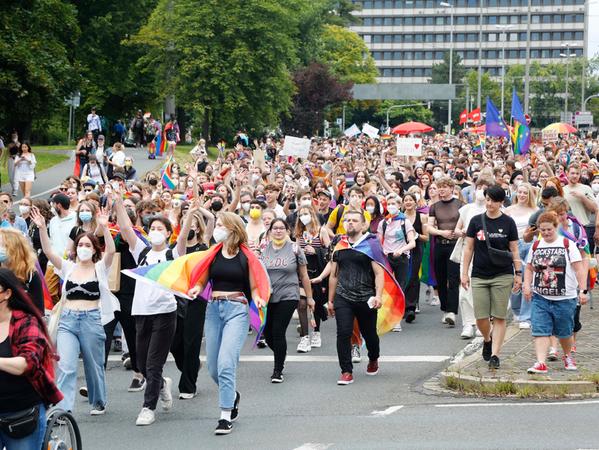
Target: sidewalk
{"type": "Point", "coordinates": [471, 374]}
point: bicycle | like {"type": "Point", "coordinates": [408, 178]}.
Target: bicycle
{"type": "Point", "coordinates": [62, 432]}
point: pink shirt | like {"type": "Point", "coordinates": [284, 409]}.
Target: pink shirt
{"type": "Point", "coordinates": [394, 238]}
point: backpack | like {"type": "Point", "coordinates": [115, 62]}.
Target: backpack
{"type": "Point", "coordinates": [403, 229]}
{"type": "Point", "coordinates": [340, 211]}
{"type": "Point", "coordinates": [143, 256]}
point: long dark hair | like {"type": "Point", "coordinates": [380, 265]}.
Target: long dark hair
{"type": "Point", "coordinates": [377, 206]}
{"type": "Point", "coordinates": [20, 300]}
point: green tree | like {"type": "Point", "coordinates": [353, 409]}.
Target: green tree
{"type": "Point", "coordinates": [227, 62]}
{"type": "Point", "coordinates": [416, 113]}
{"type": "Point", "coordinates": [347, 55]}
{"type": "Point", "coordinates": [37, 70]}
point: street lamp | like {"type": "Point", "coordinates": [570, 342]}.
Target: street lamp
{"type": "Point", "coordinates": [503, 39]}
{"type": "Point", "coordinates": [566, 55]}
{"type": "Point", "coordinates": [584, 103]}
{"type": "Point", "coordinates": [449, 5]}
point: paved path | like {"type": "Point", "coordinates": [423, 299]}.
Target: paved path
{"type": "Point", "coordinates": [309, 411]}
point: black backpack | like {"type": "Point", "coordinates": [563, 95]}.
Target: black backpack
{"type": "Point", "coordinates": [143, 256]}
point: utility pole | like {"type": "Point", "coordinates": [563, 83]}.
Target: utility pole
{"type": "Point", "coordinates": [480, 55]}
{"type": "Point", "coordinates": [527, 67]}
{"type": "Point", "coordinates": [449, 5]}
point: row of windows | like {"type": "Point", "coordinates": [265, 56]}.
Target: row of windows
{"type": "Point", "coordinates": [472, 37]}
{"type": "Point", "coordinates": [424, 71]}
{"type": "Point", "coordinates": [471, 20]}
{"type": "Point", "coordinates": [535, 53]}
{"type": "Point", "coordinates": [420, 4]}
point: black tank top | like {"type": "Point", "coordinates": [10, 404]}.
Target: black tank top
{"type": "Point", "coordinates": [16, 392]}
{"type": "Point", "coordinates": [229, 275]}
{"type": "Point", "coordinates": [418, 228]}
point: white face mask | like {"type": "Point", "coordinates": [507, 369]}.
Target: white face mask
{"type": "Point", "coordinates": [24, 209]}
{"type": "Point", "coordinates": [245, 206]}
{"type": "Point", "coordinates": [306, 219]}
{"type": "Point", "coordinates": [479, 196]}
{"type": "Point", "coordinates": [156, 237]}
{"type": "Point", "coordinates": [306, 203]}
{"type": "Point", "coordinates": [595, 188]}
{"type": "Point", "coordinates": [84, 253]}
{"type": "Point", "coordinates": [437, 175]}
{"type": "Point", "coordinates": [220, 234]}
{"type": "Point", "coordinates": [370, 209]}
{"type": "Point", "coordinates": [392, 209]}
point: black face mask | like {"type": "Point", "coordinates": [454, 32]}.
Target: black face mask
{"type": "Point", "coordinates": [459, 176]}
{"type": "Point", "coordinates": [292, 206]}
{"type": "Point", "coordinates": [146, 219]}
{"type": "Point", "coordinates": [191, 235]}
{"type": "Point", "coordinates": [217, 206]}
{"type": "Point", "coordinates": [153, 182]}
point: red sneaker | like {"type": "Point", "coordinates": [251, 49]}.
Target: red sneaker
{"type": "Point", "coordinates": [573, 350]}
{"type": "Point", "coordinates": [345, 378]}
{"type": "Point", "coordinates": [373, 368]}
{"type": "Point", "coordinates": [538, 368]}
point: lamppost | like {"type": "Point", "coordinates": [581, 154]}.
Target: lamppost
{"type": "Point", "coordinates": [449, 5]}
{"type": "Point", "coordinates": [503, 39]}
{"type": "Point", "coordinates": [566, 55]}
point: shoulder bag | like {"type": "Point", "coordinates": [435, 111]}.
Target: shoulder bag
{"type": "Point", "coordinates": [497, 257]}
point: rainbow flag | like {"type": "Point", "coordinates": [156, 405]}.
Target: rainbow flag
{"type": "Point", "coordinates": [393, 299]}
{"type": "Point", "coordinates": [180, 275]}
{"type": "Point", "coordinates": [520, 133]}
{"type": "Point", "coordinates": [48, 303]}
{"type": "Point", "coordinates": [341, 152]}
{"type": "Point", "coordinates": [480, 144]}
{"type": "Point", "coordinates": [166, 174]}
{"type": "Point", "coordinates": [115, 232]}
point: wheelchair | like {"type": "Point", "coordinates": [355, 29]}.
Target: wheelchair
{"type": "Point", "coordinates": [62, 432]}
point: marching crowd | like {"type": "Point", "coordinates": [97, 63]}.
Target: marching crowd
{"type": "Point", "coordinates": [353, 232]}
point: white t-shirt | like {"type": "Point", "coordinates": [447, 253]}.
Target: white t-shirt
{"type": "Point", "coordinates": [148, 298]}
{"type": "Point", "coordinates": [553, 275]}
{"type": "Point", "coordinates": [118, 158]}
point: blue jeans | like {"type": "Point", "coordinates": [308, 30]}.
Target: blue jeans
{"type": "Point", "coordinates": [32, 442]}
{"type": "Point", "coordinates": [81, 331]}
{"type": "Point", "coordinates": [519, 305]}
{"type": "Point", "coordinates": [553, 318]}
{"type": "Point", "coordinates": [225, 328]}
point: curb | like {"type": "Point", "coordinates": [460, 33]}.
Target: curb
{"type": "Point", "coordinates": [453, 380]}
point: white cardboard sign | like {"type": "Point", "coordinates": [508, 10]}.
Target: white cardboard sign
{"type": "Point", "coordinates": [294, 146]}
{"type": "Point", "coordinates": [409, 146]}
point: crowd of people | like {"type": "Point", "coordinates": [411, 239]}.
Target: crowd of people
{"type": "Point", "coordinates": [486, 236]}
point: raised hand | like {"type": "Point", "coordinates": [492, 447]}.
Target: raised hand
{"type": "Point", "coordinates": [37, 218]}
{"type": "Point", "coordinates": [102, 217]}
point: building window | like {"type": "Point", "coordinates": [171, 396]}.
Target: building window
{"type": "Point", "coordinates": [419, 21]}
{"type": "Point", "coordinates": [408, 21]}
{"type": "Point", "coordinates": [398, 21]}
{"type": "Point", "coordinates": [428, 72]}
{"type": "Point", "coordinates": [439, 54]}
{"type": "Point", "coordinates": [556, 36]}
{"type": "Point", "coordinates": [492, 20]}
{"type": "Point", "coordinates": [377, 38]}
{"type": "Point", "coordinates": [419, 38]}
{"type": "Point", "coordinates": [460, 20]}
{"type": "Point", "coordinates": [387, 55]}
{"type": "Point", "coordinates": [522, 36]}
{"type": "Point", "coordinates": [397, 56]}
{"type": "Point", "coordinates": [472, 20]}
{"type": "Point", "coordinates": [459, 37]}
{"type": "Point", "coordinates": [472, 37]}
{"type": "Point", "coordinates": [408, 38]}
{"type": "Point", "coordinates": [492, 54]}
{"type": "Point", "coordinates": [512, 54]}
{"type": "Point", "coordinates": [387, 72]}
{"type": "Point", "coordinates": [388, 21]}
{"type": "Point", "coordinates": [440, 21]}
{"type": "Point", "coordinates": [429, 20]}
{"type": "Point", "coordinates": [418, 55]}
{"type": "Point", "coordinates": [546, 53]}
{"type": "Point", "coordinates": [578, 35]}
{"type": "Point", "coordinates": [514, 19]}
{"type": "Point", "coordinates": [503, 20]}
{"type": "Point", "coordinates": [555, 53]}
{"type": "Point", "coordinates": [546, 18]}
{"type": "Point", "coordinates": [536, 19]}
{"type": "Point", "coordinates": [377, 55]}
{"type": "Point", "coordinates": [492, 37]}
{"type": "Point", "coordinates": [439, 37]}
{"type": "Point", "coordinates": [407, 72]}
{"type": "Point", "coordinates": [388, 38]}
{"type": "Point", "coordinates": [535, 54]}
{"type": "Point", "coordinates": [429, 38]}
{"type": "Point", "coordinates": [535, 36]}
{"type": "Point", "coordinates": [397, 72]}
{"type": "Point", "coordinates": [546, 36]}
{"type": "Point", "coordinates": [418, 72]}
{"type": "Point", "coordinates": [471, 54]}
{"type": "Point", "coordinates": [568, 35]}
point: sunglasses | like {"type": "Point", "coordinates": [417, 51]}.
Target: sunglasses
{"type": "Point", "coordinates": [63, 189]}
{"type": "Point", "coordinates": [88, 190]}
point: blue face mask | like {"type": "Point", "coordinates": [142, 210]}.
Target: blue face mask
{"type": "Point", "coordinates": [5, 224]}
{"type": "Point", "coordinates": [3, 255]}
{"type": "Point", "coordinates": [85, 216]}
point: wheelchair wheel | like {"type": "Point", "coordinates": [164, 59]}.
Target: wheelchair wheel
{"type": "Point", "coordinates": [62, 432]}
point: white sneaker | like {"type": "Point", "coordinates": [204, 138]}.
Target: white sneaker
{"type": "Point", "coordinates": [467, 332]}
{"type": "Point", "coordinates": [355, 354]}
{"type": "Point", "coordinates": [166, 396]}
{"type": "Point", "coordinates": [397, 328]}
{"type": "Point", "coordinates": [146, 417]}
{"type": "Point", "coordinates": [444, 318]}
{"type": "Point", "coordinates": [186, 395]}
{"type": "Point", "coordinates": [304, 345]}
{"type": "Point", "coordinates": [315, 340]}
{"type": "Point", "coordinates": [435, 301]}
{"type": "Point", "coordinates": [524, 326]}
{"type": "Point", "coordinates": [450, 319]}
{"type": "Point", "coordinates": [295, 315]}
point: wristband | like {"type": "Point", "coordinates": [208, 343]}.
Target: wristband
{"type": "Point", "coordinates": [585, 291]}
{"type": "Point", "coordinates": [518, 272]}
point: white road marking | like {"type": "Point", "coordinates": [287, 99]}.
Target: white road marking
{"type": "Point", "coordinates": [313, 446]}
{"type": "Point", "coordinates": [483, 405]}
{"type": "Point", "coordinates": [330, 359]}
{"type": "Point", "coordinates": [386, 412]}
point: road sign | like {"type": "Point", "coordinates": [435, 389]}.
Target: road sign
{"type": "Point", "coordinates": [527, 117]}
{"type": "Point", "coordinates": [339, 121]}
{"type": "Point", "coordinates": [583, 118]}
{"type": "Point", "coordinates": [566, 117]}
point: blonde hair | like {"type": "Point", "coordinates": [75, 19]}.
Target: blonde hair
{"type": "Point", "coordinates": [237, 234]}
{"type": "Point", "coordinates": [531, 195]}
{"type": "Point", "coordinates": [22, 257]}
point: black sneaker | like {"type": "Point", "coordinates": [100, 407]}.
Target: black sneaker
{"type": "Point", "coordinates": [223, 427]}
{"type": "Point", "coordinates": [235, 410]}
{"type": "Point", "coordinates": [137, 385]}
{"type": "Point", "coordinates": [494, 362]}
{"type": "Point", "coordinates": [410, 316]}
{"type": "Point", "coordinates": [276, 377]}
{"type": "Point", "coordinates": [261, 343]}
{"type": "Point", "coordinates": [83, 391]}
{"type": "Point", "coordinates": [487, 350]}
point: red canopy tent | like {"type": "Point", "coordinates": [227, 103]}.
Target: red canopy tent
{"type": "Point", "coordinates": [412, 127]}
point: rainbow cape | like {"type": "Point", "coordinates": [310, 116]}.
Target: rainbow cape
{"type": "Point", "coordinates": [480, 144]}
{"type": "Point", "coordinates": [166, 175]}
{"type": "Point", "coordinates": [180, 275]}
{"type": "Point", "coordinates": [393, 298]}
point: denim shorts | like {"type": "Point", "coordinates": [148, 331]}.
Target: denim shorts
{"type": "Point", "coordinates": [552, 317]}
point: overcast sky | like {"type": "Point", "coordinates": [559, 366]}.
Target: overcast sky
{"type": "Point", "coordinates": [593, 49]}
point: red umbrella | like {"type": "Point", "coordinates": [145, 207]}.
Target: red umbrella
{"type": "Point", "coordinates": [412, 127]}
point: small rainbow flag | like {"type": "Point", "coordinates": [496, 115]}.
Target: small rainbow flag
{"type": "Point", "coordinates": [166, 174]}
{"type": "Point", "coordinates": [393, 299]}
{"type": "Point", "coordinates": [180, 275]}
{"type": "Point", "coordinates": [341, 152]}
{"type": "Point", "coordinates": [479, 147]}
{"type": "Point", "coordinates": [48, 303]}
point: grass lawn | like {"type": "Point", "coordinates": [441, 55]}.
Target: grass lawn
{"type": "Point", "coordinates": [45, 158]}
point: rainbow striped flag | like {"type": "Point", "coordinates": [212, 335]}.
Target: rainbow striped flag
{"type": "Point", "coordinates": [115, 232]}
{"type": "Point", "coordinates": [341, 152]}
{"type": "Point", "coordinates": [479, 147]}
{"type": "Point", "coordinates": [166, 174]}
{"type": "Point", "coordinates": [393, 299]}
{"type": "Point", "coordinates": [180, 275]}
{"type": "Point", "coordinates": [48, 303]}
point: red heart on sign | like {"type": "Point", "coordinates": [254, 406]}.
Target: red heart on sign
{"type": "Point", "coordinates": [416, 146]}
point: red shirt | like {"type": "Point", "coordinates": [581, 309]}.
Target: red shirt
{"type": "Point", "coordinates": [28, 341]}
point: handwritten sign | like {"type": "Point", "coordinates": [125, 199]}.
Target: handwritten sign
{"type": "Point", "coordinates": [409, 146]}
{"type": "Point", "coordinates": [294, 146]}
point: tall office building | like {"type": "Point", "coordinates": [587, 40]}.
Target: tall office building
{"type": "Point", "coordinates": [406, 37]}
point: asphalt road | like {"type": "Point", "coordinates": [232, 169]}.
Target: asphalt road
{"type": "Point", "coordinates": [309, 411]}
